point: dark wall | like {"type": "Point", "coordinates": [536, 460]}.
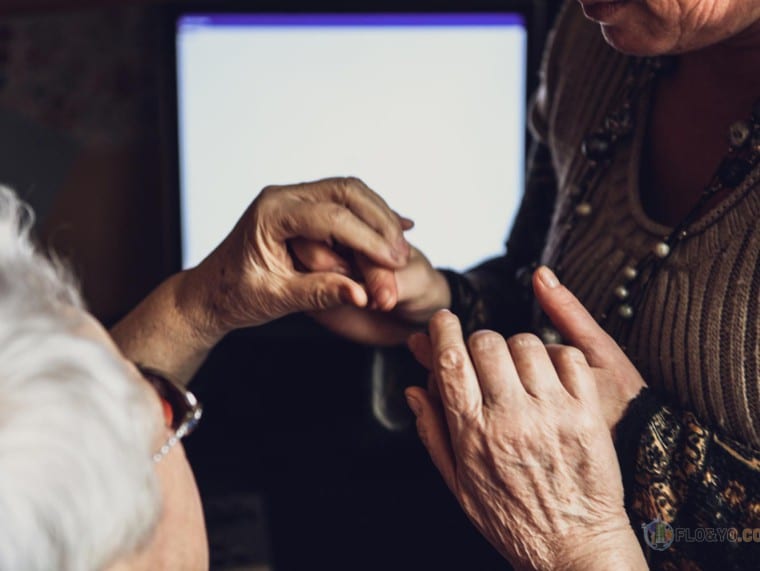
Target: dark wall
{"type": "Point", "coordinates": [80, 139]}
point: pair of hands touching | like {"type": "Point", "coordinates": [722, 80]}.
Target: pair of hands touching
{"type": "Point", "coordinates": [334, 248]}
{"type": "Point", "coordinates": [332, 244]}
{"type": "Point", "coordinates": [519, 431]}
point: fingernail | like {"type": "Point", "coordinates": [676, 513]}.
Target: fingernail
{"type": "Point", "coordinates": [547, 277]}
{"type": "Point", "coordinates": [414, 404]}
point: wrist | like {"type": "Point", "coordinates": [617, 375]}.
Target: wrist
{"type": "Point", "coordinates": [166, 330]}
{"type": "Point", "coordinates": [435, 294]}
{"type": "Point", "coordinates": [442, 296]}
{"type": "Point", "coordinates": [615, 548]}
{"type": "Point", "coordinates": [199, 308]}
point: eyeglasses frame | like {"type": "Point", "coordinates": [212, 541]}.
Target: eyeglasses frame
{"type": "Point", "coordinates": [176, 396]}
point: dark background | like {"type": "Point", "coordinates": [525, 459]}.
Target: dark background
{"type": "Point", "coordinates": [295, 468]}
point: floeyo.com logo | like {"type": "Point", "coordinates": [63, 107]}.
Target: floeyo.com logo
{"type": "Point", "coordinates": [658, 534]}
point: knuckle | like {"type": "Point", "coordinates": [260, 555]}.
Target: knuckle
{"type": "Point", "coordinates": [319, 297]}
{"type": "Point", "coordinates": [336, 214]}
{"type": "Point", "coordinates": [452, 358]}
{"type": "Point", "coordinates": [288, 221]}
{"type": "Point", "coordinates": [343, 187]}
{"type": "Point", "coordinates": [524, 340]}
{"type": "Point", "coordinates": [347, 186]}
{"type": "Point", "coordinates": [570, 354]}
{"type": "Point", "coordinates": [588, 339]}
{"type": "Point", "coordinates": [485, 340]}
{"type": "Point", "coordinates": [353, 183]}
{"type": "Point", "coordinates": [268, 192]}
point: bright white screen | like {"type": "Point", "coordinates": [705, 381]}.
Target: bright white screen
{"type": "Point", "coordinates": [430, 113]}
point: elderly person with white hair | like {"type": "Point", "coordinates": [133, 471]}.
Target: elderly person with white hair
{"type": "Point", "coordinates": [92, 474]}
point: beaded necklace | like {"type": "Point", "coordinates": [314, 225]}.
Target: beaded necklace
{"type": "Point", "coordinates": [598, 149]}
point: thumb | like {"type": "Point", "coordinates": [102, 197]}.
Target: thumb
{"type": "Point", "coordinates": [573, 321]}
{"type": "Point", "coordinates": [324, 290]}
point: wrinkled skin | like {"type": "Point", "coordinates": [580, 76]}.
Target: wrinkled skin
{"type": "Point", "coordinates": [659, 27]}
{"type": "Point", "coordinates": [518, 433]}
{"type": "Point", "coordinates": [251, 278]}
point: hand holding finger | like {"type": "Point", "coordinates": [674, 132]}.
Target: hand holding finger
{"type": "Point", "coordinates": [379, 281]}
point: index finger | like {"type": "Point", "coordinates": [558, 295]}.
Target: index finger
{"type": "Point", "coordinates": [457, 381]}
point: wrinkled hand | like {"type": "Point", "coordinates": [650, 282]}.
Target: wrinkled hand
{"type": "Point", "coordinates": [617, 380]}
{"type": "Point", "coordinates": [251, 278]}
{"type": "Point", "coordinates": [400, 300]}
{"type": "Point", "coordinates": [520, 440]}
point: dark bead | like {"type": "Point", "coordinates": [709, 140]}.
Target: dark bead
{"type": "Point", "coordinates": [597, 147]}
{"type": "Point", "coordinates": [732, 172]}
{"type": "Point", "coordinates": [755, 141]}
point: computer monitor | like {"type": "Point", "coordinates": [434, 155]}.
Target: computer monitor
{"type": "Point", "coordinates": [428, 108]}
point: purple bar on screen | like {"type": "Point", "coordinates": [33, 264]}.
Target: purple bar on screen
{"type": "Point", "coordinates": [369, 20]}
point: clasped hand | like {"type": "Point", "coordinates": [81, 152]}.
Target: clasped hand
{"type": "Point", "coordinates": [252, 277]}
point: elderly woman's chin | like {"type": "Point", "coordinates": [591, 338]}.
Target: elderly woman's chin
{"type": "Point", "coordinates": [627, 27]}
{"type": "Point", "coordinates": [644, 28]}
{"type": "Point", "coordinates": [635, 43]}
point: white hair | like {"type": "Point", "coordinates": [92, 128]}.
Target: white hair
{"type": "Point", "coordinates": [78, 489]}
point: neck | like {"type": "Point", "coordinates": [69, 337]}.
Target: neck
{"type": "Point", "coordinates": [729, 65]}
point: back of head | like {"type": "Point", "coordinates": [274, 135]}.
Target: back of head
{"type": "Point", "coordinates": [77, 484]}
